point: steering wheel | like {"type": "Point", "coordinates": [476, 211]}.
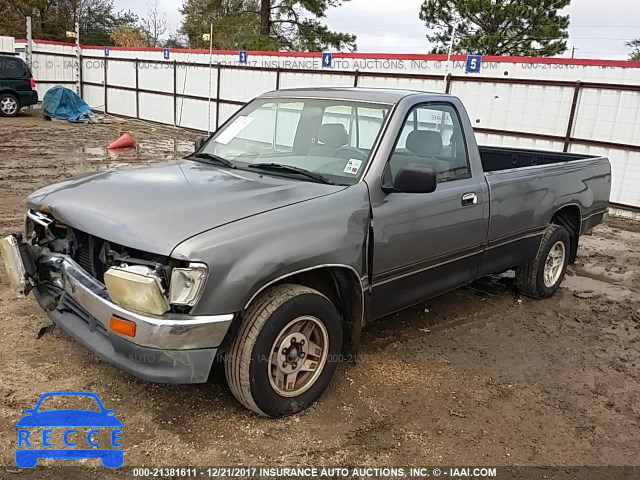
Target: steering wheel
{"type": "Point", "coordinates": [350, 152]}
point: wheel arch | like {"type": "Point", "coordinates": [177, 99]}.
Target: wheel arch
{"type": "Point", "coordinates": [570, 217]}
{"type": "Point", "coordinates": [10, 91]}
{"type": "Point", "coordinates": [342, 286]}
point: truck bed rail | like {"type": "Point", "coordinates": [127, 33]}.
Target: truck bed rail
{"type": "Point", "coordinates": [504, 158]}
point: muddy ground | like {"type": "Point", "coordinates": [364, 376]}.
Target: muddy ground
{"type": "Point", "coordinates": [480, 376]}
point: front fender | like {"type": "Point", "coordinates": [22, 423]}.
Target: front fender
{"type": "Point", "coordinates": [246, 255]}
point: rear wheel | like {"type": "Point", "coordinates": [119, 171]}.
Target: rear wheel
{"type": "Point", "coordinates": [541, 277]}
{"type": "Point", "coordinates": [9, 106]}
{"type": "Point", "coordinates": [285, 352]}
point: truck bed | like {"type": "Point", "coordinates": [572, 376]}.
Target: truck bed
{"type": "Point", "coordinates": [503, 158]}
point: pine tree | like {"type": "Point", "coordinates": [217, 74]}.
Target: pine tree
{"type": "Point", "coordinates": [635, 54]}
{"type": "Point", "coordinates": [264, 24]}
{"type": "Point", "coordinates": [497, 27]}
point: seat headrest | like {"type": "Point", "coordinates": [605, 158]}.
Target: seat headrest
{"type": "Point", "coordinates": [424, 143]}
{"type": "Point", "coordinates": [333, 134]}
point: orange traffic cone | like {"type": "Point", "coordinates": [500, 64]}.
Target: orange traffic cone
{"type": "Point", "coordinates": [125, 140]}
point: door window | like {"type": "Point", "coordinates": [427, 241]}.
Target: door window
{"type": "Point", "coordinates": [432, 135]}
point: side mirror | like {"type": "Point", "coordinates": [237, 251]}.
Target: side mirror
{"type": "Point", "coordinates": [200, 141]}
{"type": "Point", "coordinates": [414, 178]}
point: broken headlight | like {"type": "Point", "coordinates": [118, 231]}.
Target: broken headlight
{"type": "Point", "coordinates": [136, 287]}
{"type": "Point", "coordinates": [186, 284]}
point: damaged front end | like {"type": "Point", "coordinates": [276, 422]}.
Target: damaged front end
{"type": "Point", "coordinates": [117, 301]}
{"type": "Point", "coordinates": [12, 251]}
{"type": "Point", "coordinates": [46, 238]}
{"type": "Point", "coordinates": [136, 280]}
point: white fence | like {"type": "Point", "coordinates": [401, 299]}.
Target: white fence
{"type": "Point", "coordinates": [585, 106]}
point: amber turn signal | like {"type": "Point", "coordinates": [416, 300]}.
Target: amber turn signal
{"type": "Point", "coordinates": [125, 327]}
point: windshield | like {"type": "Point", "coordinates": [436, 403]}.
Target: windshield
{"type": "Point", "coordinates": [330, 138]}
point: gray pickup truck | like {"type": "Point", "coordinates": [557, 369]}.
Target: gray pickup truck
{"type": "Point", "coordinates": [307, 215]}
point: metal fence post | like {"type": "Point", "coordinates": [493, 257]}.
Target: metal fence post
{"type": "Point", "coordinates": [137, 91]}
{"type": "Point", "coordinates": [218, 96]}
{"type": "Point", "coordinates": [29, 49]}
{"type": "Point", "coordinates": [106, 63]}
{"type": "Point", "coordinates": [78, 61]}
{"type": "Point", "coordinates": [175, 93]}
{"type": "Point", "coordinates": [572, 116]}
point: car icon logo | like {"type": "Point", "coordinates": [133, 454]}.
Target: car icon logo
{"type": "Point", "coordinates": [72, 423]}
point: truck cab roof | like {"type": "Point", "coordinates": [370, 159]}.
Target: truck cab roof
{"type": "Point", "coordinates": [359, 94]}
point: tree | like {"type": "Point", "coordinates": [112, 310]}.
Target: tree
{"type": "Point", "coordinates": [125, 36]}
{"type": "Point", "coordinates": [51, 19]}
{"type": "Point", "coordinates": [297, 26]}
{"type": "Point", "coordinates": [232, 22]}
{"type": "Point", "coordinates": [264, 24]}
{"type": "Point", "coordinates": [12, 23]}
{"type": "Point", "coordinates": [635, 54]}
{"type": "Point", "coordinates": [97, 19]}
{"type": "Point", "coordinates": [155, 24]}
{"type": "Point", "coordinates": [497, 27]}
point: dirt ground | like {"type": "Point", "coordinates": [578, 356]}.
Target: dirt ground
{"type": "Point", "coordinates": [480, 376]}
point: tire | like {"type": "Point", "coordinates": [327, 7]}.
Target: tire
{"type": "Point", "coordinates": [530, 278]}
{"type": "Point", "coordinates": [9, 105]}
{"type": "Point", "coordinates": [270, 325]}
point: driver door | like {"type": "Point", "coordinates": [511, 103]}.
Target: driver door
{"type": "Point", "coordinates": [428, 243]}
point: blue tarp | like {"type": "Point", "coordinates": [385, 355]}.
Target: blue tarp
{"type": "Point", "coordinates": [64, 104]}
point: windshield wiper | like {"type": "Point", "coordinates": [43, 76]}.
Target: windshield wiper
{"type": "Point", "coordinates": [278, 167]}
{"type": "Point", "coordinates": [215, 158]}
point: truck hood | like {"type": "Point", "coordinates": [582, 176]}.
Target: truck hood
{"type": "Point", "coordinates": [154, 208]}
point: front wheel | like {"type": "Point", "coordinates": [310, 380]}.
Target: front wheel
{"type": "Point", "coordinates": [541, 277]}
{"type": "Point", "coordinates": [285, 352]}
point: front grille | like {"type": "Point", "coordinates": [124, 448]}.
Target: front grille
{"type": "Point", "coordinates": [87, 253]}
{"type": "Point", "coordinates": [83, 257]}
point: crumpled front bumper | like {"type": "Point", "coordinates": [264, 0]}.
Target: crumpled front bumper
{"type": "Point", "coordinates": [173, 348]}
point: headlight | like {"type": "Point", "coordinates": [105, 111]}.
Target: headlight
{"type": "Point", "coordinates": [136, 287]}
{"type": "Point", "coordinates": [186, 284]}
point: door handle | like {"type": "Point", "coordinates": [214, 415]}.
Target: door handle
{"type": "Point", "coordinates": [469, 199]}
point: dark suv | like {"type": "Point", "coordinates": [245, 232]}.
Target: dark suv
{"type": "Point", "coordinates": [17, 86]}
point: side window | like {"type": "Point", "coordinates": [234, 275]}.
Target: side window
{"type": "Point", "coordinates": [432, 135]}
{"type": "Point", "coordinates": [12, 67]}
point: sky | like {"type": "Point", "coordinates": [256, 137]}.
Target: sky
{"type": "Point", "coordinates": [598, 29]}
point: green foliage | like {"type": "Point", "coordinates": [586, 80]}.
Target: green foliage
{"type": "Point", "coordinates": [296, 25]}
{"type": "Point", "coordinates": [263, 25]}
{"type": "Point", "coordinates": [51, 19]}
{"type": "Point", "coordinates": [497, 27]}
{"type": "Point", "coordinates": [635, 54]}
{"type": "Point", "coordinates": [234, 22]}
